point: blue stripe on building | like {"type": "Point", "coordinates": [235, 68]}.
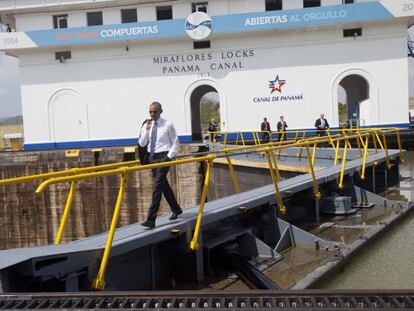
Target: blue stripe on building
{"type": "Point", "coordinates": [258, 21]}
{"type": "Point", "coordinates": [182, 139]}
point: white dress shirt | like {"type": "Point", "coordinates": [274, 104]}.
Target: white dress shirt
{"type": "Point", "coordinates": [167, 140]}
{"type": "Point", "coordinates": [322, 123]}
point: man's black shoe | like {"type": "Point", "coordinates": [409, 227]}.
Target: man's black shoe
{"type": "Point", "coordinates": [149, 224]}
{"type": "Point", "coordinates": [175, 215]}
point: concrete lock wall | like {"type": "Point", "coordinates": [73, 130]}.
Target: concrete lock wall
{"type": "Point", "coordinates": [28, 219]}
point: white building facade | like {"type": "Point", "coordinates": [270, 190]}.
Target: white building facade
{"type": "Point", "coordinates": [89, 69]}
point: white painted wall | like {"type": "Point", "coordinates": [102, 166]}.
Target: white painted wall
{"type": "Point", "coordinates": [147, 13]}
{"type": "Point", "coordinates": [292, 4]}
{"type": "Point", "coordinates": [77, 19]}
{"type": "Point", "coordinates": [117, 85]}
{"type": "Point", "coordinates": [181, 10]}
{"type": "Point", "coordinates": [111, 16]}
{"type": "Point", "coordinates": [34, 22]}
{"type": "Point", "coordinates": [330, 2]}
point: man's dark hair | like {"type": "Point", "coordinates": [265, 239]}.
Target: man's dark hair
{"type": "Point", "coordinates": [159, 106]}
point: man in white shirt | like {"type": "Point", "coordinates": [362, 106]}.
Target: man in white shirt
{"type": "Point", "coordinates": [160, 137]}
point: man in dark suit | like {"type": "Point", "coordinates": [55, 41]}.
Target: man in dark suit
{"type": "Point", "coordinates": [265, 128]}
{"type": "Point", "coordinates": [281, 128]}
{"type": "Point", "coordinates": [321, 125]}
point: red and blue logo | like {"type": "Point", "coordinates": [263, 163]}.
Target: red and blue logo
{"type": "Point", "coordinates": [276, 85]}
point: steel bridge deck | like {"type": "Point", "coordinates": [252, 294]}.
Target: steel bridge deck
{"type": "Point", "coordinates": [135, 236]}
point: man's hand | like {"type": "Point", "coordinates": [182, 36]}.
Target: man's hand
{"type": "Point", "coordinates": [149, 122]}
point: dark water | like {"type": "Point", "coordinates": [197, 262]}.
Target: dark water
{"type": "Point", "coordinates": [389, 261]}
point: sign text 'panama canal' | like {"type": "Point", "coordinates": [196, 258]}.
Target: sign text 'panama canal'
{"type": "Point", "coordinates": [203, 62]}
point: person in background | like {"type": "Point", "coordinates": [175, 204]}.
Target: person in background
{"type": "Point", "coordinates": [160, 137]}
{"type": "Point", "coordinates": [212, 127]}
{"type": "Point", "coordinates": [321, 125]}
{"type": "Point", "coordinates": [265, 128]}
{"type": "Point", "coordinates": [8, 29]}
{"type": "Point", "coordinates": [281, 128]}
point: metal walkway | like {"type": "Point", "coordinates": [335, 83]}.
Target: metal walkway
{"type": "Point", "coordinates": [71, 260]}
{"type": "Point", "coordinates": [253, 300]}
{"type": "Point", "coordinates": [136, 236]}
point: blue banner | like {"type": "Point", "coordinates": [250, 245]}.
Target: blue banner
{"type": "Point", "coordinates": [284, 19]}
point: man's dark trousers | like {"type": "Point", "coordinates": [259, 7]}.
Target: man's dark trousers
{"type": "Point", "coordinates": [161, 186]}
{"type": "Point", "coordinates": [266, 137]}
{"type": "Point", "coordinates": [281, 136]}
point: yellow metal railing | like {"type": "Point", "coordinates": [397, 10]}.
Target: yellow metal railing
{"type": "Point", "coordinates": [300, 140]}
{"type": "Point", "coordinates": [70, 172]}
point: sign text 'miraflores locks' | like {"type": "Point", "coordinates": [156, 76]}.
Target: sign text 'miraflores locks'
{"type": "Point", "coordinates": [198, 62]}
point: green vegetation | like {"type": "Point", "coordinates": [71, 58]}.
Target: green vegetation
{"type": "Point", "coordinates": [11, 120]}
{"type": "Point", "coordinates": [343, 113]}
{"type": "Point", "coordinates": [210, 109]}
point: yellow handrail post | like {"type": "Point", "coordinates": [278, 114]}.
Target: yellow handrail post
{"type": "Point", "coordinates": [225, 138]}
{"type": "Point", "coordinates": [314, 152]}
{"type": "Point", "coordinates": [328, 131]}
{"type": "Point", "coordinates": [296, 136]}
{"type": "Point", "coordinates": [233, 174]}
{"type": "Point", "coordinates": [399, 146]}
{"type": "Point", "coordinates": [374, 140]}
{"type": "Point", "coordinates": [242, 138]}
{"type": "Point", "coordinates": [269, 162]}
{"type": "Point", "coordinates": [255, 138]}
{"type": "Point", "coordinates": [299, 153]}
{"type": "Point", "coordinates": [258, 138]}
{"type": "Point", "coordinates": [281, 206]}
{"type": "Point", "coordinates": [361, 140]}
{"type": "Point", "coordinates": [337, 152]}
{"type": "Point", "coordinates": [316, 192]}
{"type": "Point", "coordinates": [364, 161]}
{"type": "Point", "coordinates": [387, 157]}
{"type": "Point", "coordinates": [237, 139]}
{"type": "Point", "coordinates": [99, 282]}
{"type": "Point", "coordinates": [280, 142]}
{"type": "Point", "coordinates": [194, 245]}
{"type": "Point", "coordinates": [341, 177]}
{"type": "Point", "coordinates": [379, 141]}
{"type": "Point", "coordinates": [359, 145]}
{"type": "Point", "coordinates": [349, 144]}
{"type": "Point", "coordinates": [66, 211]}
{"type": "Point", "coordinates": [279, 178]}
